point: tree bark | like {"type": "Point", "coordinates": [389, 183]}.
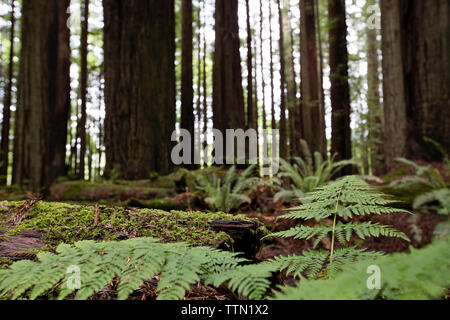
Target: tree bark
{"type": "Point", "coordinates": [44, 94]}
{"type": "Point", "coordinates": [416, 64]}
{"type": "Point", "coordinates": [272, 88]}
{"type": "Point", "coordinates": [83, 87]}
{"type": "Point", "coordinates": [373, 100]}
{"type": "Point", "coordinates": [228, 98]}
{"type": "Point", "coordinates": [139, 46]}
{"type": "Point", "coordinates": [264, 120]}
{"type": "Point", "coordinates": [340, 89]}
{"type": "Point", "coordinates": [313, 117]}
{"type": "Point", "coordinates": [283, 129]}
{"type": "Point", "coordinates": [6, 125]}
{"type": "Point", "coordinates": [251, 121]}
{"type": "Point", "coordinates": [295, 123]}
{"type": "Point", "coordinates": [187, 91]}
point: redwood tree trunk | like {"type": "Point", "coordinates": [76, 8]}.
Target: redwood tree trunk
{"type": "Point", "coordinates": [251, 120]}
{"type": "Point", "coordinates": [416, 68]}
{"type": "Point", "coordinates": [44, 94]}
{"type": "Point", "coordinates": [283, 128]}
{"type": "Point", "coordinates": [295, 134]}
{"type": "Point", "coordinates": [187, 91]}
{"type": "Point", "coordinates": [83, 88]}
{"type": "Point", "coordinates": [340, 89]}
{"type": "Point", "coordinates": [313, 117]}
{"type": "Point", "coordinates": [228, 98]}
{"type": "Point", "coordinates": [6, 125]}
{"type": "Point", "coordinates": [139, 46]}
{"type": "Point", "coordinates": [373, 100]}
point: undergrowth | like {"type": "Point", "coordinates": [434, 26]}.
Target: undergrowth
{"type": "Point", "coordinates": [336, 203]}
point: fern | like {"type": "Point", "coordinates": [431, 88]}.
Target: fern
{"type": "Point", "coordinates": [425, 175]}
{"type": "Point", "coordinates": [307, 174]}
{"type": "Point", "coordinates": [422, 274]}
{"type": "Point", "coordinates": [441, 196]}
{"type": "Point", "coordinates": [132, 261]}
{"type": "Point", "coordinates": [229, 192]}
{"type": "Point", "coordinates": [342, 199]}
{"type": "Point", "coordinates": [251, 281]}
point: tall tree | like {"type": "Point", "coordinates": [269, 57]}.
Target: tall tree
{"type": "Point", "coordinates": [313, 115]}
{"type": "Point", "coordinates": [261, 52]}
{"type": "Point", "coordinates": [139, 48]}
{"type": "Point", "coordinates": [373, 97]}
{"type": "Point", "coordinates": [205, 83]}
{"type": "Point", "coordinates": [251, 119]}
{"type": "Point", "coordinates": [44, 94]}
{"type": "Point", "coordinates": [6, 125]}
{"type": "Point", "coordinates": [340, 89]}
{"type": "Point", "coordinates": [416, 74]}
{"type": "Point", "coordinates": [283, 129]}
{"type": "Point", "coordinates": [187, 91]}
{"type": "Point", "coordinates": [228, 98]}
{"type": "Point", "coordinates": [83, 86]}
{"type": "Point", "coordinates": [295, 123]}
{"type": "Point", "coordinates": [271, 65]}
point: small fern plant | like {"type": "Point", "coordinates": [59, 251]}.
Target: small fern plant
{"type": "Point", "coordinates": [229, 192]}
{"type": "Point", "coordinates": [306, 174]}
{"type": "Point", "coordinates": [339, 201]}
{"type": "Point", "coordinates": [134, 261]}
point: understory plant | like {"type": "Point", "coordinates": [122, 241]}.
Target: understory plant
{"type": "Point", "coordinates": [87, 267]}
{"type": "Point", "coordinates": [333, 207]}
{"type": "Point", "coordinates": [435, 194]}
{"type": "Point", "coordinates": [419, 275]}
{"type": "Point", "coordinates": [230, 191]}
{"type": "Point", "coordinates": [306, 174]}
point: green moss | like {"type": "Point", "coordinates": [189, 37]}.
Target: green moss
{"type": "Point", "coordinates": [63, 222]}
{"type": "Point", "coordinates": [5, 263]}
{"type": "Point", "coordinates": [121, 190]}
{"type": "Point", "coordinates": [162, 204]}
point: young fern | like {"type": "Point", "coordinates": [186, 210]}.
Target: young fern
{"type": "Point", "coordinates": [339, 200]}
{"type": "Point", "coordinates": [420, 275]}
{"type": "Point", "coordinates": [133, 261]}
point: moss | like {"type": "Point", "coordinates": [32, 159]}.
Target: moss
{"type": "Point", "coordinates": [63, 222]}
{"type": "Point", "coordinates": [5, 263]}
{"type": "Point", "coordinates": [12, 193]}
{"type": "Point", "coordinates": [121, 190]}
{"type": "Point", "coordinates": [162, 204]}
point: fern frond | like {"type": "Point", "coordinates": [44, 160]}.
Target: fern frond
{"type": "Point", "coordinates": [252, 281]}
{"type": "Point", "coordinates": [310, 262]}
{"type": "Point", "coordinates": [364, 230]}
{"type": "Point", "coordinates": [422, 274]}
{"type": "Point", "coordinates": [132, 261]}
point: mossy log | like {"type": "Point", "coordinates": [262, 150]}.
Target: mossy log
{"type": "Point", "coordinates": [107, 191]}
{"type": "Point", "coordinates": [62, 222]}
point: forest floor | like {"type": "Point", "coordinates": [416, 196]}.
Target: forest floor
{"type": "Point", "coordinates": [24, 232]}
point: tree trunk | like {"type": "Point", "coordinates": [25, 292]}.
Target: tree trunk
{"type": "Point", "coordinates": [295, 134]}
{"type": "Point", "coordinates": [205, 86]}
{"type": "Point", "coordinates": [228, 98]}
{"type": "Point", "coordinates": [373, 100]}
{"type": "Point", "coordinates": [251, 121]}
{"type": "Point", "coordinates": [416, 64]}
{"type": "Point", "coordinates": [272, 88]}
{"type": "Point", "coordinates": [83, 87]}
{"type": "Point", "coordinates": [283, 129]}
{"type": "Point", "coordinates": [340, 89]}
{"type": "Point", "coordinates": [264, 120]}
{"type": "Point", "coordinates": [313, 117]}
{"type": "Point", "coordinates": [187, 91]}
{"type": "Point", "coordinates": [44, 94]}
{"type": "Point", "coordinates": [6, 125]}
{"type": "Point", "coordinates": [139, 46]}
